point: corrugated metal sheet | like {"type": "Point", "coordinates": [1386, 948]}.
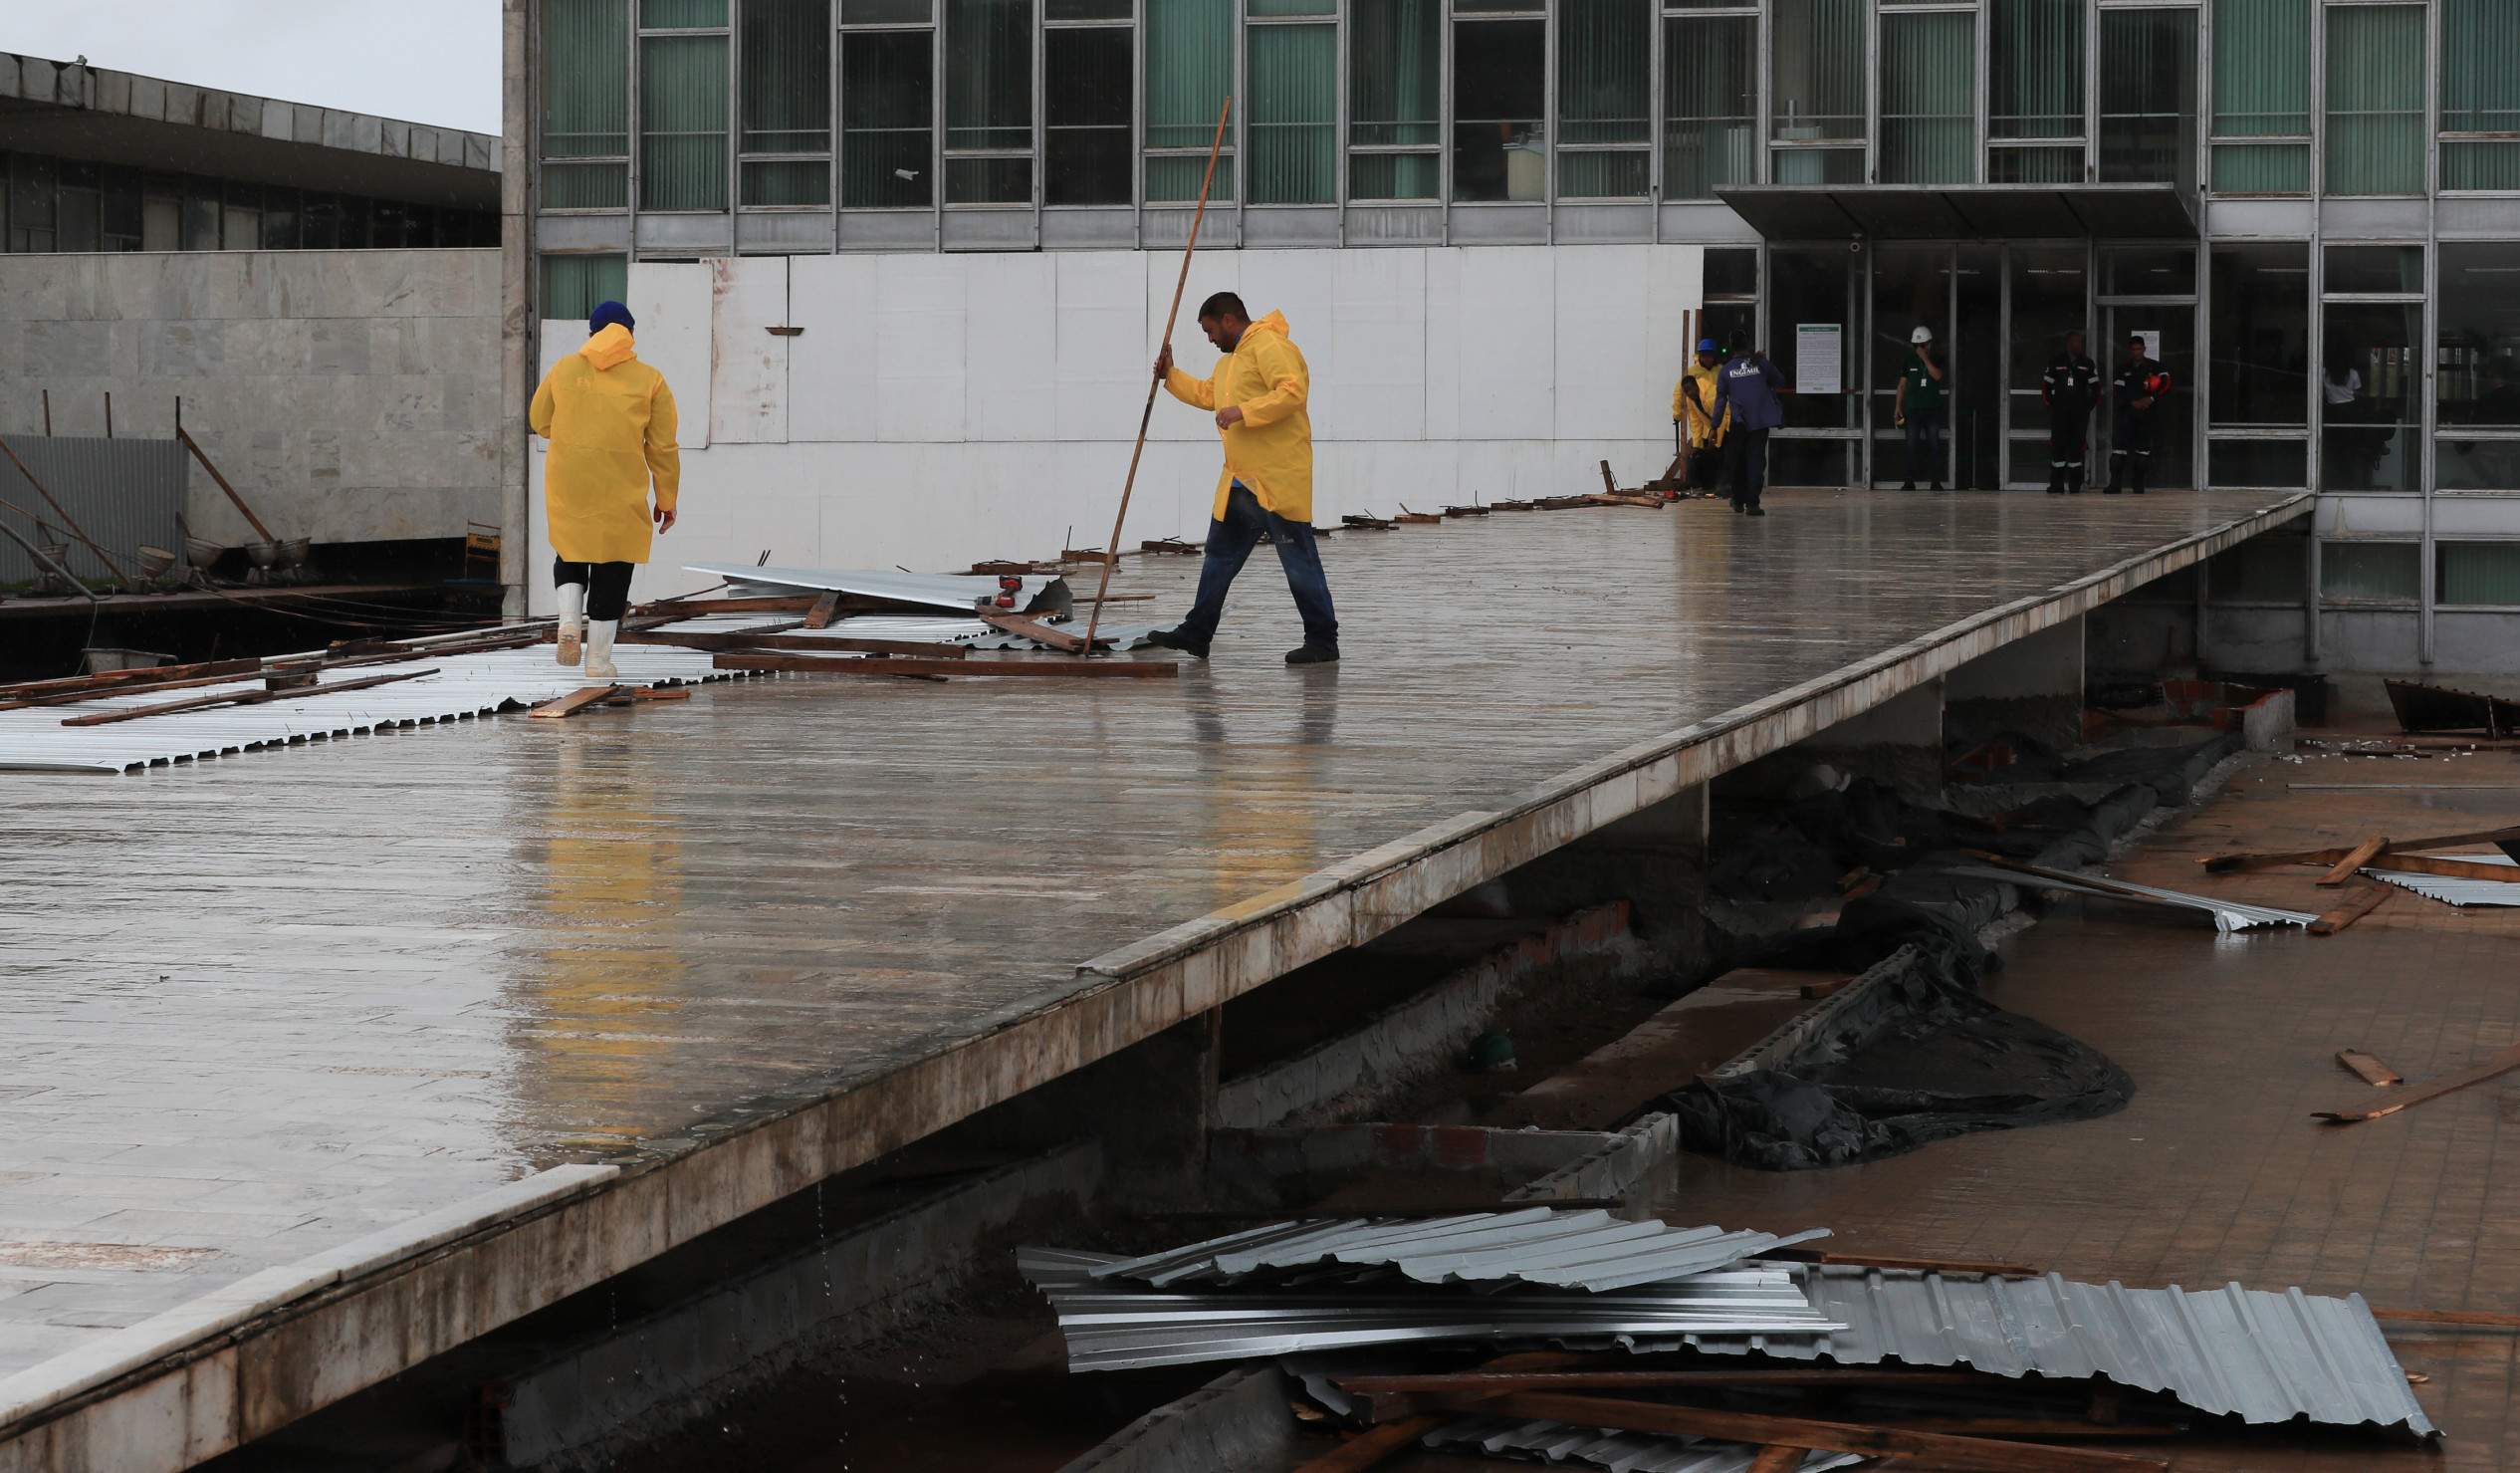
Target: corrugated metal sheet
{"type": "Point", "coordinates": [2452, 890]}
{"type": "Point", "coordinates": [1120, 1324]}
{"type": "Point", "coordinates": [463, 686]}
{"type": "Point", "coordinates": [952, 592]}
{"type": "Point", "coordinates": [124, 493]}
{"type": "Point", "coordinates": [2259, 1356]}
{"type": "Point", "coordinates": [1540, 1245]}
{"type": "Point", "coordinates": [2228, 915]}
{"type": "Point", "coordinates": [1617, 1452]}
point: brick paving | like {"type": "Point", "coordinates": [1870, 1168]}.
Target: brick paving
{"type": "Point", "coordinates": [2216, 1173]}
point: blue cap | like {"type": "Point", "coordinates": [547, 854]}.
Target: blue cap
{"type": "Point", "coordinates": [1707, 345]}
{"type": "Point", "coordinates": [608, 313]}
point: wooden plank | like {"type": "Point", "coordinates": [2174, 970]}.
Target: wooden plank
{"type": "Point", "coordinates": [1937, 1449]}
{"type": "Point", "coordinates": [2371, 1071]}
{"type": "Point", "coordinates": [1373, 1447]}
{"type": "Point", "coordinates": [763, 603]}
{"type": "Point", "coordinates": [2229, 864]}
{"type": "Point", "coordinates": [1038, 633]}
{"type": "Point", "coordinates": [561, 708]}
{"type": "Point", "coordinates": [1609, 483]}
{"type": "Point", "coordinates": [203, 456]}
{"type": "Point", "coordinates": [2454, 868]}
{"type": "Point", "coordinates": [2483, 1318]}
{"type": "Point", "coordinates": [1777, 1460]}
{"type": "Point", "coordinates": [820, 614]}
{"type": "Point", "coordinates": [103, 693]}
{"type": "Point", "coordinates": [1652, 503]}
{"type": "Point", "coordinates": [2361, 900]}
{"type": "Point", "coordinates": [1501, 1382]}
{"type": "Point", "coordinates": [742, 641]}
{"type": "Point", "coordinates": [2491, 1067]}
{"type": "Point", "coordinates": [2355, 858]}
{"type": "Point", "coordinates": [239, 699]}
{"type": "Point", "coordinates": [804, 664]}
{"type": "Point", "coordinates": [111, 679]}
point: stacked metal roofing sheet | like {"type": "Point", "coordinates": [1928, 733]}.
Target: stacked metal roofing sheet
{"type": "Point", "coordinates": [952, 592]}
{"type": "Point", "coordinates": [2453, 890]}
{"type": "Point", "coordinates": [1571, 1277]}
{"type": "Point", "coordinates": [462, 687]}
{"type": "Point", "coordinates": [1617, 1452]}
{"type": "Point", "coordinates": [2258, 1355]}
{"type": "Point", "coordinates": [1589, 1250]}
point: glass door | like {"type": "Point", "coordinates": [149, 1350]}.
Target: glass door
{"type": "Point", "coordinates": [1976, 377]}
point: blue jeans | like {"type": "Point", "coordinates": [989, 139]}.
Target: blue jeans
{"type": "Point", "coordinates": [1230, 539]}
{"type": "Point", "coordinates": [1925, 444]}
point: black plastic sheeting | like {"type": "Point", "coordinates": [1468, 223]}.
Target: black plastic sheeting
{"type": "Point", "coordinates": [1911, 1056]}
{"type": "Point", "coordinates": [1917, 1056]}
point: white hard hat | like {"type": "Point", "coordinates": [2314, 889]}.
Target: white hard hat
{"type": "Point", "coordinates": [1922, 335]}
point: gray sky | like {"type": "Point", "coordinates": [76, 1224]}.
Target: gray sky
{"type": "Point", "coordinates": [424, 60]}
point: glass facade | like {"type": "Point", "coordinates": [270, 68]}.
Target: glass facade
{"type": "Point", "coordinates": [55, 204]}
{"type": "Point", "coordinates": [2366, 348]}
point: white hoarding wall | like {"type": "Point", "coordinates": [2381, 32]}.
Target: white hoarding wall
{"type": "Point", "coordinates": [931, 410]}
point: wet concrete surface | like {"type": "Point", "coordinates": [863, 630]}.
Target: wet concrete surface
{"type": "Point", "coordinates": [265, 1005]}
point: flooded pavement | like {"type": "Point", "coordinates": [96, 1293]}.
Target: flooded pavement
{"type": "Point", "coordinates": [267, 1004]}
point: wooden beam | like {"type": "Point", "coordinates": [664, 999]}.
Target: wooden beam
{"type": "Point", "coordinates": [1934, 1449]}
{"type": "Point", "coordinates": [2354, 859]}
{"type": "Point", "coordinates": [1777, 1460]}
{"type": "Point", "coordinates": [68, 683]}
{"type": "Point", "coordinates": [820, 614]}
{"type": "Point", "coordinates": [742, 641]}
{"type": "Point", "coordinates": [804, 664]}
{"type": "Point", "coordinates": [2229, 864]}
{"type": "Point", "coordinates": [203, 456]}
{"type": "Point", "coordinates": [238, 698]}
{"type": "Point", "coordinates": [103, 693]}
{"type": "Point", "coordinates": [763, 603]}
{"type": "Point", "coordinates": [1373, 1447]}
{"type": "Point", "coordinates": [1503, 1383]}
{"type": "Point", "coordinates": [2369, 1070]}
{"type": "Point", "coordinates": [2390, 1101]}
{"type": "Point", "coordinates": [2360, 901]}
{"type": "Point", "coordinates": [1038, 633]}
{"type": "Point", "coordinates": [2484, 1319]}
{"type": "Point", "coordinates": [2454, 868]}
{"type": "Point", "coordinates": [561, 708]}
{"type": "Point", "coordinates": [1609, 483]}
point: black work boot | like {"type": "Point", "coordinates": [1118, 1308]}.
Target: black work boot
{"type": "Point", "coordinates": [1311, 654]}
{"type": "Point", "coordinates": [1174, 638]}
{"type": "Point", "coordinates": [2056, 483]}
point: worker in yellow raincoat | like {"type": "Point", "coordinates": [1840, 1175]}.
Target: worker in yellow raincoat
{"type": "Point", "coordinates": [1691, 398]}
{"type": "Point", "coordinates": [611, 423]}
{"type": "Point", "coordinates": [1258, 391]}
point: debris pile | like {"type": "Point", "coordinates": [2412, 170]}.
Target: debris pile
{"type": "Point", "coordinates": [1572, 1336]}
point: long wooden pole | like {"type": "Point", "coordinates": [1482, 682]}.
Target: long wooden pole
{"type": "Point", "coordinates": [203, 456]}
{"type": "Point", "coordinates": [1111, 550]}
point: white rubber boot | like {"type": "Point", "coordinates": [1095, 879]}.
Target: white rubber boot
{"type": "Point", "coordinates": [573, 620]}
{"type": "Point", "coordinates": [599, 635]}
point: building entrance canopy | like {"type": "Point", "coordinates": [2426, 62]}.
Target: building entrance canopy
{"type": "Point", "coordinates": [1966, 211]}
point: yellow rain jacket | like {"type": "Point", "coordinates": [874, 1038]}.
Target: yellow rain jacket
{"type": "Point", "coordinates": [1270, 451]}
{"type": "Point", "coordinates": [1707, 380]}
{"type": "Point", "coordinates": [611, 423]}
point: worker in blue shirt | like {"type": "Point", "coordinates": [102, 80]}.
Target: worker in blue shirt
{"type": "Point", "coordinates": [1747, 389]}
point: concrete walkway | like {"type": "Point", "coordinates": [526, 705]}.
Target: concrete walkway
{"type": "Point", "coordinates": [268, 1006]}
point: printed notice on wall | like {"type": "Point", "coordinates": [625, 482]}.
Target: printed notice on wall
{"type": "Point", "coordinates": [2152, 343]}
{"type": "Point", "coordinates": [1818, 351]}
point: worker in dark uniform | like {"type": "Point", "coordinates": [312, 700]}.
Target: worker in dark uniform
{"type": "Point", "coordinates": [2071, 388]}
{"type": "Point", "coordinates": [2136, 395]}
